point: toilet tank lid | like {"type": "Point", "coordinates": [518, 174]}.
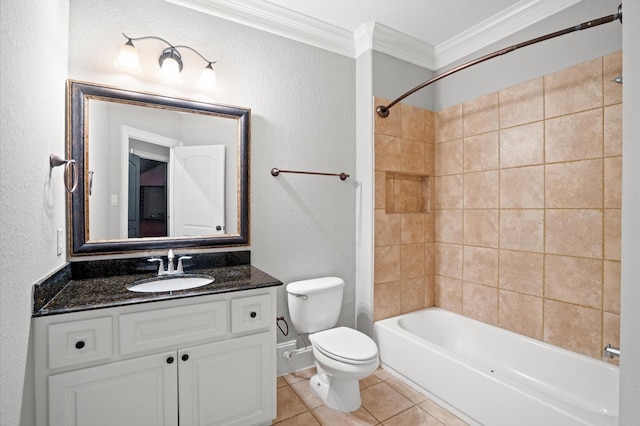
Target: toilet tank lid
{"type": "Point", "coordinates": [316, 285]}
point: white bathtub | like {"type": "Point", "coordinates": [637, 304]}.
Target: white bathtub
{"type": "Point", "coordinates": [494, 377]}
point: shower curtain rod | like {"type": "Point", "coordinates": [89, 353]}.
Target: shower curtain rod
{"type": "Point", "coordinates": [383, 111]}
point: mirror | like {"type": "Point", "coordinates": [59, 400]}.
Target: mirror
{"type": "Point", "coordinates": [155, 172]}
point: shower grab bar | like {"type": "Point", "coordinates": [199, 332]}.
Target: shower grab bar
{"type": "Point", "coordinates": [55, 161]}
{"type": "Point", "coordinates": [275, 172]}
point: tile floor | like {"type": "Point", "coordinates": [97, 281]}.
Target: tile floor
{"type": "Point", "coordinates": [386, 401]}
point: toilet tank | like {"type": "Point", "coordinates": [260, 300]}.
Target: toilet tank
{"type": "Point", "coordinates": [315, 304]}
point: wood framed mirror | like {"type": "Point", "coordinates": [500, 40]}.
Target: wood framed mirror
{"type": "Point", "coordinates": [155, 172]}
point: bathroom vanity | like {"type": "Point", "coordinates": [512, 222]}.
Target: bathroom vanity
{"type": "Point", "coordinates": [107, 356]}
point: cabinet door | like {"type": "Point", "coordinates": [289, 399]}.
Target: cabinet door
{"type": "Point", "coordinates": [227, 383]}
{"type": "Point", "coordinates": [137, 392]}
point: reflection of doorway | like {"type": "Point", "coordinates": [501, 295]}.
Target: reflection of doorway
{"type": "Point", "coordinates": [147, 197]}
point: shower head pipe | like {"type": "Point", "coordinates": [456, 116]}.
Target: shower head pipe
{"type": "Point", "coordinates": [383, 111]}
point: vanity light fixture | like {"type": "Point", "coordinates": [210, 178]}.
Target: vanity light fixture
{"type": "Point", "coordinates": [170, 61]}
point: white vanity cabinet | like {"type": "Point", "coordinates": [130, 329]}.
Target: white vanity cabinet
{"type": "Point", "coordinates": [206, 360]}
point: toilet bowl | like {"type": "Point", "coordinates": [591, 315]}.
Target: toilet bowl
{"type": "Point", "coordinates": [342, 355]}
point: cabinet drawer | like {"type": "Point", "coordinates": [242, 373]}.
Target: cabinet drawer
{"type": "Point", "coordinates": [250, 313]}
{"type": "Point", "coordinates": [141, 331]}
{"type": "Point", "coordinates": [77, 342]}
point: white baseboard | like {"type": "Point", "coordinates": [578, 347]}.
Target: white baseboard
{"type": "Point", "coordinates": [299, 361]}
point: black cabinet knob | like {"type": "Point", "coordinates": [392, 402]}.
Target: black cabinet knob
{"type": "Point", "coordinates": [185, 357]}
{"type": "Point", "coordinates": [170, 360]}
{"type": "Point", "coordinates": [253, 314]}
{"type": "Point", "coordinates": [80, 344]}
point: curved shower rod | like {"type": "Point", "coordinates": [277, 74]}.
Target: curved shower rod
{"type": "Point", "coordinates": [383, 111]}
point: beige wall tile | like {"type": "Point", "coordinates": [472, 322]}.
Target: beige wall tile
{"type": "Point", "coordinates": [481, 227]}
{"type": "Point", "coordinates": [391, 125]}
{"type": "Point", "coordinates": [429, 259]}
{"type": "Point", "coordinates": [386, 264]}
{"type": "Point", "coordinates": [573, 327]}
{"type": "Point", "coordinates": [388, 228]}
{"type": "Point", "coordinates": [412, 122]}
{"type": "Point", "coordinates": [448, 124]}
{"type": "Point", "coordinates": [380, 192]}
{"type": "Point", "coordinates": [522, 104]}
{"type": "Point", "coordinates": [574, 89]}
{"type": "Point", "coordinates": [481, 190]}
{"type": "Point", "coordinates": [448, 293]}
{"type": "Point", "coordinates": [449, 260]}
{"type": "Point", "coordinates": [522, 272]}
{"type": "Point", "coordinates": [522, 230]}
{"type": "Point", "coordinates": [430, 291]}
{"type": "Point", "coordinates": [480, 265]}
{"type": "Point", "coordinates": [613, 130]}
{"type": "Point", "coordinates": [413, 157]}
{"type": "Point", "coordinates": [481, 152]}
{"type": "Point", "coordinates": [411, 261]}
{"type": "Point", "coordinates": [612, 67]}
{"type": "Point", "coordinates": [480, 302]}
{"type": "Point", "coordinates": [612, 234]}
{"type": "Point", "coordinates": [448, 192]}
{"type": "Point", "coordinates": [574, 280]}
{"type": "Point", "coordinates": [520, 313]}
{"type": "Point", "coordinates": [429, 126]}
{"type": "Point", "coordinates": [613, 182]}
{"type": "Point", "coordinates": [386, 300]}
{"type": "Point", "coordinates": [611, 287]}
{"type": "Point", "coordinates": [412, 228]}
{"type": "Point", "coordinates": [449, 226]}
{"type": "Point", "coordinates": [449, 157]}
{"type": "Point", "coordinates": [577, 184]}
{"type": "Point", "coordinates": [522, 188]}
{"type": "Point", "coordinates": [574, 137]}
{"type": "Point", "coordinates": [429, 226]}
{"type": "Point", "coordinates": [406, 195]}
{"type": "Point", "coordinates": [388, 153]}
{"type": "Point", "coordinates": [480, 115]}
{"type": "Point", "coordinates": [574, 232]}
{"type": "Point", "coordinates": [522, 145]}
{"type": "Point", "coordinates": [412, 294]}
{"type": "Point", "coordinates": [430, 159]}
{"type": "Point", "coordinates": [611, 330]}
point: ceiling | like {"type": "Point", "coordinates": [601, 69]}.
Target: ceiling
{"type": "Point", "coordinates": [429, 33]}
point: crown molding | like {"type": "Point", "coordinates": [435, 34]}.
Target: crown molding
{"type": "Point", "coordinates": [284, 22]}
{"type": "Point", "coordinates": [277, 20]}
{"type": "Point", "coordinates": [504, 24]}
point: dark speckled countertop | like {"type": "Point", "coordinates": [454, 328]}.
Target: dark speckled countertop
{"type": "Point", "coordinates": [103, 284]}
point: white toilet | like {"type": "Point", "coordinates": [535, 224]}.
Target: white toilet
{"type": "Point", "coordinates": [343, 355]}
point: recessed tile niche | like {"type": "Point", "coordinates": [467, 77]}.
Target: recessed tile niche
{"type": "Point", "coordinates": [407, 193]}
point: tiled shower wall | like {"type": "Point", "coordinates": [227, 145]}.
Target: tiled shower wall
{"type": "Point", "coordinates": [526, 199]}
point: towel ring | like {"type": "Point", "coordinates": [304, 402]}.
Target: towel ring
{"type": "Point", "coordinates": [55, 161]}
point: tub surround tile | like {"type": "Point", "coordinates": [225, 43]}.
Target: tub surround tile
{"type": "Point", "coordinates": [480, 302]}
{"type": "Point", "coordinates": [612, 233]}
{"type": "Point", "coordinates": [577, 184]}
{"type": "Point", "coordinates": [449, 190]}
{"type": "Point", "coordinates": [449, 260]}
{"type": "Point", "coordinates": [573, 327]}
{"type": "Point", "coordinates": [413, 157]}
{"type": "Point", "coordinates": [522, 104]}
{"type": "Point", "coordinates": [574, 232]}
{"type": "Point", "coordinates": [391, 125]}
{"type": "Point", "coordinates": [574, 280]}
{"type": "Point", "coordinates": [613, 130]}
{"type": "Point", "coordinates": [388, 151]}
{"type": "Point", "coordinates": [521, 272]}
{"type": "Point", "coordinates": [611, 287]}
{"type": "Point", "coordinates": [481, 227]}
{"type": "Point", "coordinates": [521, 313]}
{"type": "Point", "coordinates": [413, 122]}
{"type": "Point", "coordinates": [481, 190]}
{"type": "Point", "coordinates": [387, 264]}
{"type": "Point", "coordinates": [448, 293]}
{"type": "Point", "coordinates": [522, 145]}
{"type": "Point", "coordinates": [522, 188]}
{"type": "Point", "coordinates": [380, 190]}
{"type": "Point", "coordinates": [612, 67]}
{"type": "Point", "coordinates": [480, 115]}
{"type": "Point", "coordinates": [480, 265]}
{"type": "Point", "coordinates": [613, 182]}
{"type": "Point", "coordinates": [574, 89]}
{"type": "Point", "coordinates": [449, 226]}
{"type": "Point", "coordinates": [574, 137]}
{"type": "Point", "coordinates": [386, 300]}
{"type": "Point", "coordinates": [412, 294]}
{"type": "Point", "coordinates": [412, 228]}
{"type": "Point", "coordinates": [481, 152]}
{"type": "Point", "coordinates": [448, 124]}
{"type": "Point", "coordinates": [611, 333]}
{"type": "Point", "coordinates": [449, 157]}
{"type": "Point", "coordinates": [389, 228]}
{"type": "Point", "coordinates": [522, 229]}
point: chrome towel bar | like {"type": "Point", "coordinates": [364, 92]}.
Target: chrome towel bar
{"type": "Point", "coordinates": [275, 172]}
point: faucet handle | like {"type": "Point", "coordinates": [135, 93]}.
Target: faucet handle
{"type": "Point", "coordinates": [180, 269]}
{"type": "Point", "coordinates": [161, 270]}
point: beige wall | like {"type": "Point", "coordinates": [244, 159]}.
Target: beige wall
{"type": "Point", "coordinates": [526, 209]}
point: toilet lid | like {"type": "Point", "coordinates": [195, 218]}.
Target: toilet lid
{"type": "Point", "coordinates": [345, 344]}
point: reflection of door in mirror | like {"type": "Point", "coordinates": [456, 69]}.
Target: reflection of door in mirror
{"type": "Point", "coordinates": [147, 208]}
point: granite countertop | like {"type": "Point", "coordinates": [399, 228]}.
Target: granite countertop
{"type": "Point", "coordinates": [68, 292]}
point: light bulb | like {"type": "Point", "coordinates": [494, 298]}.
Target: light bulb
{"type": "Point", "coordinates": [127, 60]}
{"type": "Point", "coordinates": [170, 65]}
{"type": "Point", "coordinates": [207, 78]}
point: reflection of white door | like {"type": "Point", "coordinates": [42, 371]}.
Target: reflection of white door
{"type": "Point", "coordinates": [198, 190]}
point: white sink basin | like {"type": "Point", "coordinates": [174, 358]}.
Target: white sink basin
{"type": "Point", "coordinates": [161, 284]}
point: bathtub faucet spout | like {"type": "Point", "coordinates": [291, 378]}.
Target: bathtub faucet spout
{"type": "Point", "coordinates": [611, 352]}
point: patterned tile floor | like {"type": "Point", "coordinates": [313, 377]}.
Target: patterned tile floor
{"type": "Point", "coordinates": [386, 401]}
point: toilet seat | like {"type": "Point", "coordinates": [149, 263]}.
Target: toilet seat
{"type": "Point", "coordinates": [346, 345]}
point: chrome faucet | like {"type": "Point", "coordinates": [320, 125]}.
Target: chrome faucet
{"type": "Point", "coordinates": [611, 352]}
{"type": "Point", "coordinates": [170, 268]}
